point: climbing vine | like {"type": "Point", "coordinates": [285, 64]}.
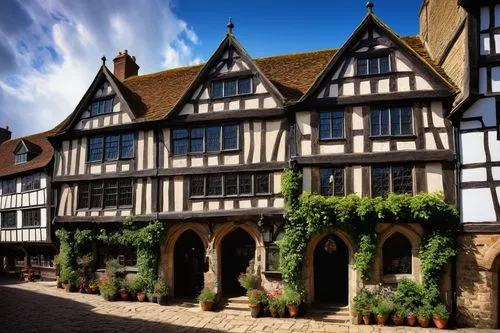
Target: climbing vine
{"type": "Point", "coordinates": [308, 214]}
{"type": "Point", "coordinates": [145, 238]}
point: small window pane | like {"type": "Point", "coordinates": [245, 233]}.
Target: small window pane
{"type": "Point", "coordinates": [101, 106]}
{"type": "Point", "coordinates": [337, 124]}
{"type": "Point", "coordinates": [181, 141]}
{"type": "Point", "coordinates": [217, 89]}
{"type": "Point", "coordinates": [244, 86]}
{"type": "Point", "coordinates": [325, 129]}
{"type": "Point", "coordinates": [396, 121]}
{"type": "Point", "coordinates": [214, 185]}
{"type": "Point", "coordinates": [272, 258]}
{"type": "Point", "coordinates": [375, 115]}
{"type": "Point", "coordinates": [245, 184]}
{"type": "Point", "coordinates": [231, 184]}
{"type": "Point", "coordinates": [332, 182]}
{"type": "Point", "coordinates": [9, 219]}
{"type": "Point", "coordinates": [30, 182]}
{"type": "Point", "coordinates": [111, 147]}
{"type": "Point", "coordinates": [397, 253]}
{"type": "Point", "coordinates": [31, 218]}
{"type": "Point", "coordinates": [96, 195]}
{"type": "Point", "coordinates": [380, 181]}
{"type": "Point", "coordinates": [95, 148]}
{"type": "Point", "coordinates": [127, 146]}
{"type": "Point", "coordinates": [406, 121]}
{"type": "Point", "coordinates": [374, 66]}
{"type": "Point", "coordinates": [230, 135]}
{"type": "Point", "coordinates": [362, 66]}
{"type": "Point", "coordinates": [83, 195]}
{"type": "Point", "coordinates": [230, 87]}
{"type": "Point", "coordinates": [196, 142]}
{"type": "Point", "coordinates": [8, 186]}
{"type": "Point", "coordinates": [21, 158]}
{"type": "Point", "coordinates": [125, 192]}
{"type": "Point", "coordinates": [94, 109]}
{"type": "Point", "coordinates": [402, 180]}
{"type": "Point", "coordinates": [384, 65]}
{"type": "Point", "coordinates": [213, 139]}
{"type": "Point", "coordinates": [262, 183]}
{"type": "Point", "coordinates": [196, 186]}
{"type": "Point", "coordinates": [110, 193]}
{"type": "Point", "coordinates": [108, 106]}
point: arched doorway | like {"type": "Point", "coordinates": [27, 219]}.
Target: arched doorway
{"type": "Point", "coordinates": [189, 256]}
{"type": "Point", "coordinates": [331, 271]}
{"type": "Point", "coordinates": [237, 249]}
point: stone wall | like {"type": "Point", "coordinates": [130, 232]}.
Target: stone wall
{"type": "Point", "coordinates": [477, 280]}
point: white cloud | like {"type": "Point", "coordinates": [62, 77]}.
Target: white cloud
{"type": "Point", "coordinates": [58, 53]}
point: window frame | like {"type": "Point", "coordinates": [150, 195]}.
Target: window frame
{"type": "Point", "coordinates": [24, 160]}
{"type": "Point", "coordinates": [118, 198]}
{"type": "Point", "coordinates": [3, 214]}
{"type": "Point", "coordinates": [391, 177]}
{"type": "Point", "coordinates": [389, 110]}
{"type": "Point", "coordinates": [368, 58]}
{"type": "Point", "coordinates": [13, 182]}
{"type": "Point", "coordinates": [224, 80]}
{"type": "Point", "coordinates": [25, 212]}
{"type": "Point", "coordinates": [103, 148]}
{"type": "Point", "coordinates": [97, 101]}
{"type": "Point", "coordinates": [34, 180]}
{"type": "Point", "coordinates": [342, 170]}
{"type": "Point", "coordinates": [331, 121]}
{"type": "Point", "coordinates": [385, 258]}
{"type": "Point", "coordinates": [204, 139]}
{"type": "Point", "coordinates": [253, 179]}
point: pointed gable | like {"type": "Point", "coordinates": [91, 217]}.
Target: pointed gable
{"type": "Point", "coordinates": [230, 80]}
{"type": "Point", "coordinates": [376, 61]}
{"type": "Point", "coordinates": [107, 102]}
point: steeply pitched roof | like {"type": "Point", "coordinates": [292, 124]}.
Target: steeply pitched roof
{"type": "Point", "coordinates": [8, 165]}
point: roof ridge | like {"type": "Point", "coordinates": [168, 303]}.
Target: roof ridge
{"type": "Point", "coordinates": [133, 78]}
{"type": "Point", "coordinates": [297, 53]}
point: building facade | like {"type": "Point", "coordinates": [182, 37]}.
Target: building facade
{"type": "Point", "coordinates": [26, 206]}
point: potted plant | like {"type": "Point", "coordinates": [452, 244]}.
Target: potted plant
{"type": "Point", "coordinates": [293, 300]}
{"type": "Point", "coordinates": [273, 301]}
{"type": "Point", "coordinates": [59, 283]}
{"type": "Point", "coordinates": [161, 292]}
{"type": "Point", "coordinates": [69, 281]}
{"type": "Point", "coordinates": [382, 310]}
{"type": "Point", "coordinates": [124, 290]}
{"type": "Point", "coordinates": [411, 317]}
{"type": "Point", "coordinates": [92, 287]}
{"type": "Point", "coordinates": [281, 306]}
{"type": "Point", "coordinates": [363, 304]}
{"type": "Point", "coordinates": [248, 281]}
{"type": "Point", "coordinates": [151, 296]}
{"type": "Point", "coordinates": [108, 288]}
{"type": "Point", "coordinates": [206, 299]}
{"type": "Point", "coordinates": [398, 317]}
{"type": "Point", "coordinates": [140, 290]}
{"type": "Point", "coordinates": [255, 299]}
{"type": "Point", "coordinates": [441, 316]}
{"type": "Point", "coordinates": [424, 315]}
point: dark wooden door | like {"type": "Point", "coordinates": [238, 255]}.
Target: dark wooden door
{"type": "Point", "coordinates": [189, 255]}
{"type": "Point", "coordinates": [238, 248]}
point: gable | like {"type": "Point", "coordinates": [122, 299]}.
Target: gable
{"type": "Point", "coordinates": [229, 81]}
{"type": "Point", "coordinates": [377, 61]}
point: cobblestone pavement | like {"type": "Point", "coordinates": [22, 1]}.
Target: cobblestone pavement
{"type": "Point", "coordinates": [41, 307]}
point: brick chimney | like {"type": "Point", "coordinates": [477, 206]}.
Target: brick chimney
{"type": "Point", "coordinates": [5, 134]}
{"type": "Point", "coordinates": [125, 66]}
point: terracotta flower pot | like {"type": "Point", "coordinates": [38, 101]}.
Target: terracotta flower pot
{"type": "Point", "coordinates": [293, 310]}
{"type": "Point", "coordinates": [59, 285]}
{"type": "Point", "coordinates": [381, 320]}
{"type": "Point", "coordinates": [254, 310]}
{"type": "Point", "coordinates": [124, 295]}
{"type": "Point", "coordinates": [424, 321]}
{"type": "Point", "coordinates": [92, 290]}
{"type": "Point", "coordinates": [440, 323]}
{"type": "Point", "coordinates": [206, 305]}
{"type": "Point", "coordinates": [265, 312]}
{"type": "Point", "coordinates": [366, 319]}
{"type": "Point", "coordinates": [397, 320]}
{"type": "Point", "coordinates": [282, 314]}
{"type": "Point", "coordinates": [274, 313]}
{"type": "Point", "coordinates": [141, 296]}
{"type": "Point", "coordinates": [411, 320]}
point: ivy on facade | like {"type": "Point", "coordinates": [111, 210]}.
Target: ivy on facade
{"type": "Point", "coordinates": [308, 214]}
{"type": "Point", "coordinates": [145, 238]}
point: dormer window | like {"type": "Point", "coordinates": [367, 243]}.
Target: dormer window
{"type": "Point", "coordinates": [101, 106]}
{"type": "Point", "coordinates": [25, 151]}
{"type": "Point", "coordinates": [231, 87]}
{"type": "Point", "coordinates": [376, 65]}
{"type": "Point", "coordinates": [21, 158]}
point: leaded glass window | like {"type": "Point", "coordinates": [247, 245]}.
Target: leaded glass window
{"type": "Point", "coordinates": [217, 89]}
{"type": "Point", "coordinates": [196, 140]}
{"type": "Point", "coordinates": [9, 219]}
{"type": "Point", "coordinates": [381, 177]}
{"type": "Point", "coordinates": [110, 193]}
{"type": "Point", "coordinates": [231, 87]}
{"type": "Point", "coordinates": [245, 184]}
{"type": "Point", "coordinates": [83, 195]}
{"type": "Point", "coordinates": [96, 195]}
{"type": "Point", "coordinates": [8, 186]}
{"type": "Point", "coordinates": [392, 121]}
{"type": "Point", "coordinates": [212, 138]}
{"type": "Point", "coordinates": [332, 181]}
{"type": "Point", "coordinates": [180, 138]}
{"type": "Point", "coordinates": [205, 139]}
{"type": "Point", "coordinates": [402, 181]}
{"type": "Point", "coordinates": [331, 125]}
{"type": "Point", "coordinates": [231, 184]}
{"type": "Point", "coordinates": [111, 147]}
{"type": "Point", "coordinates": [214, 185]}
{"type": "Point", "coordinates": [230, 135]}
{"type": "Point", "coordinates": [125, 192]}
{"type": "Point", "coordinates": [377, 65]}
{"type": "Point", "coordinates": [397, 255]}
{"type": "Point", "coordinates": [396, 178]}
{"type": "Point", "coordinates": [31, 218]}
{"type": "Point", "coordinates": [21, 158]}
{"type": "Point", "coordinates": [244, 86]}
{"type": "Point", "coordinates": [197, 186]}
{"type": "Point", "coordinates": [262, 183]}
{"type": "Point", "coordinates": [30, 182]}
{"type": "Point", "coordinates": [95, 148]}
{"type": "Point", "coordinates": [101, 107]}
{"type": "Point", "coordinates": [127, 145]}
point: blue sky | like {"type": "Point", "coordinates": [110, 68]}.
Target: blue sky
{"type": "Point", "coordinates": [50, 50]}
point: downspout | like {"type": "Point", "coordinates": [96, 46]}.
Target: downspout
{"type": "Point", "coordinates": [458, 196]}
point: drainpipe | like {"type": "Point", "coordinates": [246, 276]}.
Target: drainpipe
{"type": "Point", "coordinates": [458, 202]}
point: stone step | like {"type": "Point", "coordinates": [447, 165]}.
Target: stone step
{"type": "Point", "coordinates": [238, 299]}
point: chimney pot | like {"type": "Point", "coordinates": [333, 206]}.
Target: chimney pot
{"type": "Point", "coordinates": [5, 134]}
{"type": "Point", "coordinates": [125, 66]}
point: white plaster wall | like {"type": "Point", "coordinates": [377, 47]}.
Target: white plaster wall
{"type": "Point", "coordinates": [434, 175]}
{"type": "Point", "coordinates": [474, 175]}
{"type": "Point", "coordinates": [469, 148]}
{"type": "Point", "coordinates": [477, 205]}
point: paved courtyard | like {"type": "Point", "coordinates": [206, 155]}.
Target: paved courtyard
{"type": "Point", "coordinates": [41, 307]}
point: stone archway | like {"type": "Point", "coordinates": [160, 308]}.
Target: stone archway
{"type": "Point", "coordinates": [308, 273]}
{"type": "Point", "coordinates": [189, 258]}
{"type": "Point", "coordinates": [168, 249]}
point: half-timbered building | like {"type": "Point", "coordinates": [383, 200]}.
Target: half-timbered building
{"type": "Point", "coordinates": [467, 44]}
{"type": "Point", "coordinates": [26, 206]}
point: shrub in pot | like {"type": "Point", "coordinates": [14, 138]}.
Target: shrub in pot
{"type": "Point", "coordinates": [440, 316]}
{"type": "Point", "coordinates": [161, 292]}
{"type": "Point", "coordinates": [124, 290]}
{"type": "Point", "coordinates": [85, 272]}
{"type": "Point", "coordinates": [206, 299]}
{"type": "Point", "coordinates": [151, 297]}
{"type": "Point", "coordinates": [293, 300]}
{"type": "Point", "coordinates": [273, 302]}
{"type": "Point", "coordinates": [92, 287]}
{"type": "Point", "coordinates": [363, 304]}
{"type": "Point", "coordinates": [140, 290]}
{"type": "Point", "coordinates": [109, 288]}
{"type": "Point", "coordinates": [255, 299]}
{"type": "Point", "coordinates": [382, 310]}
{"type": "Point", "coordinates": [248, 281]}
{"type": "Point", "coordinates": [411, 317]}
{"type": "Point", "coordinates": [398, 316]}
{"type": "Point", "coordinates": [424, 315]}
{"type": "Point", "coordinates": [69, 281]}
